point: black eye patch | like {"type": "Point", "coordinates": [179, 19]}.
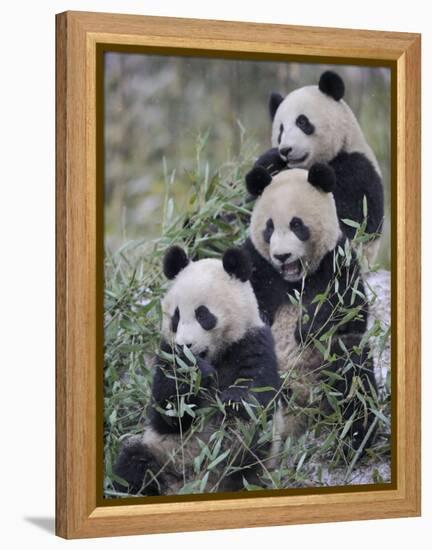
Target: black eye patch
{"type": "Point", "coordinates": [281, 129]}
{"type": "Point", "coordinates": [205, 318]}
{"type": "Point", "coordinates": [175, 320]}
{"type": "Point", "coordinates": [305, 125]}
{"type": "Point", "coordinates": [268, 231]}
{"type": "Point", "coordinates": [300, 230]}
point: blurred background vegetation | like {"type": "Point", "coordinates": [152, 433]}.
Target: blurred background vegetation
{"type": "Point", "coordinates": [158, 109]}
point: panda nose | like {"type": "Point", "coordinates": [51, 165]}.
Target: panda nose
{"type": "Point", "coordinates": [282, 257]}
{"type": "Point", "coordinates": [285, 151]}
{"type": "Point", "coordinates": [180, 342]}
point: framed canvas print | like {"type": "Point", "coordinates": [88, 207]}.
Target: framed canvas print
{"type": "Point", "coordinates": [238, 274]}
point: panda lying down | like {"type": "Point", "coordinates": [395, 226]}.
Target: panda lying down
{"type": "Point", "coordinates": [210, 310]}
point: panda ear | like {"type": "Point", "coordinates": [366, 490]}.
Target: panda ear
{"type": "Point", "coordinates": [257, 180]}
{"type": "Point", "coordinates": [175, 260]}
{"type": "Point", "coordinates": [236, 263]}
{"type": "Point", "coordinates": [332, 84]}
{"type": "Point", "coordinates": [274, 102]}
{"type": "Point", "coordinates": [322, 176]}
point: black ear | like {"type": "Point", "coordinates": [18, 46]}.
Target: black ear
{"type": "Point", "coordinates": [274, 102]}
{"type": "Point", "coordinates": [174, 261]}
{"type": "Point", "coordinates": [236, 263]}
{"type": "Point", "coordinates": [322, 176]}
{"type": "Point", "coordinates": [257, 180]}
{"type": "Point", "coordinates": [332, 84]}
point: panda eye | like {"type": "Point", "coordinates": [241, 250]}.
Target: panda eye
{"type": "Point", "coordinates": [175, 320]}
{"type": "Point", "coordinates": [299, 229]}
{"type": "Point", "coordinates": [268, 231]}
{"type": "Point", "coordinates": [281, 129]}
{"type": "Point", "coordinates": [305, 125]}
{"type": "Point", "coordinates": [205, 318]}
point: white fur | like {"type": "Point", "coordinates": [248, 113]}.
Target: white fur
{"type": "Point", "coordinates": [336, 128]}
{"type": "Point", "coordinates": [299, 368]}
{"type": "Point", "coordinates": [291, 195]}
{"type": "Point", "coordinates": [204, 282]}
{"type": "Point", "coordinates": [233, 302]}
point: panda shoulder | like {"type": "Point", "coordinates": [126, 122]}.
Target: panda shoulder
{"type": "Point", "coordinates": [352, 161]}
{"type": "Point", "coordinates": [255, 344]}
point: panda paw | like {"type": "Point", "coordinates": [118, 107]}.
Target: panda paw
{"type": "Point", "coordinates": [207, 370]}
{"type": "Point", "coordinates": [272, 161]}
{"type": "Point", "coordinates": [257, 180]}
{"type": "Point", "coordinates": [233, 398]}
{"type": "Point", "coordinates": [134, 464]}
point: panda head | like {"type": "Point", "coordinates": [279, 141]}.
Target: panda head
{"type": "Point", "coordinates": [310, 125]}
{"type": "Point", "coordinates": [210, 303]}
{"type": "Point", "coordinates": [294, 223]}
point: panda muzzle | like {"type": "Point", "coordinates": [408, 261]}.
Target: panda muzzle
{"type": "Point", "coordinates": [292, 268]}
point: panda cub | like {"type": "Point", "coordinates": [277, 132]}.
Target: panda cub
{"type": "Point", "coordinates": [210, 318]}
{"type": "Point", "coordinates": [309, 289]}
{"type": "Point", "coordinates": [314, 124]}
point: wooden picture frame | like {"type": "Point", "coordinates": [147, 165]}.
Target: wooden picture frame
{"type": "Point", "coordinates": [80, 39]}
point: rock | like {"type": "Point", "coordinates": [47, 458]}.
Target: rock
{"type": "Point", "coordinates": [378, 289]}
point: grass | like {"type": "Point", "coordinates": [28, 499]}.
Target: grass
{"type": "Point", "coordinates": [213, 218]}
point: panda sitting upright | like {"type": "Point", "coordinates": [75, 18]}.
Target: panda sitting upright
{"type": "Point", "coordinates": [224, 361]}
{"type": "Point", "coordinates": [314, 124]}
{"type": "Point", "coordinates": [309, 289]}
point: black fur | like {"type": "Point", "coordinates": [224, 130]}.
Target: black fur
{"type": "Point", "coordinates": [237, 264]}
{"type": "Point", "coordinates": [257, 180]}
{"type": "Point", "coordinates": [175, 320]}
{"type": "Point", "coordinates": [317, 283]}
{"type": "Point", "coordinates": [332, 85]}
{"type": "Point", "coordinates": [166, 387]}
{"type": "Point", "coordinates": [355, 178]}
{"type": "Point", "coordinates": [281, 129]}
{"type": "Point", "coordinates": [205, 318]}
{"type": "Point", "coordinates": [301, 230]}
{"type": "Point", "coordinates": [322, 177]}
{"type": "Point", "coordinates": [271, 161]}
{"type": "Point", "coordinates": [305, 125]}
{"type": "Point", "coordinates": [274, 102]}
{"type": "Point", "coordinates": [268, 231]}
{"type": "Point", "coordinates": [253, 361]}
{"type": "Point", "coordinates": [174, 261]}
{"type": "Point", "coordinates": [360, 365]}
{"type": "Point", "coordinates": [135, 464]}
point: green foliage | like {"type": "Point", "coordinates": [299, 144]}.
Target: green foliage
{"type": "Point", "coordinates": [213, 217]}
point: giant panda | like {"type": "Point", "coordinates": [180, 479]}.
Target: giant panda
{"type": "Point", "coordinates": [309, 288]}
{"type": "Point", "coordinates": [217, 359]}
{"type": "Point", "coordinates": [314, 124]}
